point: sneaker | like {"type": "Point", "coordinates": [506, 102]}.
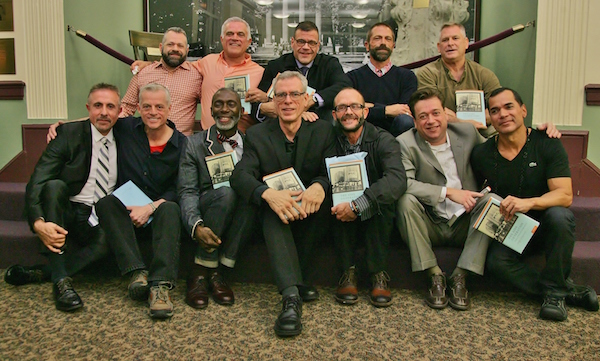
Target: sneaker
{"type": "Point", "coordinates": [380, 293]}
{"type": "Point", "coordinates": [582, 296]}
{"type": "Point", "coordinates": [138, 286]}
{"type": "Point", "coordinates": [347, 292]}
{"type": "Point", "coordinates": [553, 308]}
{"type": "Point", "coordinates": [18, 275]}
{"type": "Point", "coordinates": [161, 306]}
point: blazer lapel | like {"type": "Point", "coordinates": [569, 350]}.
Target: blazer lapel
{"type": "Point", "coordinates": [213, 145]}
{"type": "Point", "coordinates": [278, 140]}
{"type": "Point", "coordinates": [459, 153]}
{"type": "Point", "coordinates": [304, 135]}
{"type": "Point", "coordinates": [428, 154]}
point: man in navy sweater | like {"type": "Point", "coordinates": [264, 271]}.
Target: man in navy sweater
{"type": "Point", "coordinates": [386, 87]}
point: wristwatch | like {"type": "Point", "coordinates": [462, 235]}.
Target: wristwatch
{"type": "Point", "coordinates": [316, 100]}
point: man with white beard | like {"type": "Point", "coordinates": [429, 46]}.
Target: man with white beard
{"type": "Point", "coordinates": [214, 217]}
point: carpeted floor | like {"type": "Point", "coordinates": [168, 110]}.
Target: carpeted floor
{"type": "Point", "coordinates": [500, 326]}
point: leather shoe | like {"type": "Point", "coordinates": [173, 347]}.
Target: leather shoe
{"type": "Point", "coordinates": [436, 296]}
{"type": "Point", "coordinates": [380, 293]}
{"type": "Point", "coordinates": [221, 292]}
{"type": "Point", "coordinates": [308, 293]}
{"type": "Point", "coordinates": [197, 292]}
{"type": "Point", "coordinates": [553, 308]}
{"type": "Point", "coordinates": [347, 293]}
{"type": "Point", "coordinates": [582, 296]}
{"type": "Point", "coordinates": [289, 322]}
{"type": "Point", "coordinates": [459, 296]}
{"type": "Point", "coordinates": [65, 297]}
{"type": "Point", "coordinates": [18, 275]}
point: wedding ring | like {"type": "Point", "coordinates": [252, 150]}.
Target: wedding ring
{"type": "Point", "coordinates": [286, 217]}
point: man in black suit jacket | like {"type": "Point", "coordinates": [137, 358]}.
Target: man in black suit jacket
{"type": "Point", "coordinates": [60, 195]}
{"type": "Point", "coordinates": [213, 215]}
{"type": "Point", "coordinates": [291, 220]}
{"type": "Point", "coordinates": [323, 72]}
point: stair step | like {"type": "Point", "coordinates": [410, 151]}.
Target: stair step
{"type": "Point", "coordinates": [12, 201]}
{"type": "Point", "coordinates": [18, 244]}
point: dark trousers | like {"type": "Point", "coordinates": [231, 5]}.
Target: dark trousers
{"type": "Point", "coordinates": [374, 233]}
{"type": "Point", "coordinates": [164, 230]}
{"type": "Point", "coordinates": [556, 238]}
{"type": "Point", "coordinates": [291, 246]}
{"type": "Point", "coordinates": [401, 124]}
{"type": "Point", "coordinates": [84, 244]}
{"type": "Point", "coordinates": [231, 219]}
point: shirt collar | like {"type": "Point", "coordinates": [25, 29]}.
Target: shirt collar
{"type": "Point", "coordinates": [300, 65]}
{"type": "Point", "coordinates": [384, 70]}
{"type": "Point", "coordinates": [185, 65]}
{"type": "Point", "coordinates": [247, 58]}
{"type": "Point", "coordinates": [440, 147]}
{"type": "Point", "coordinates": [96, 135]}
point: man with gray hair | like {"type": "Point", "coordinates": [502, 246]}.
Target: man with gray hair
{"type": "Point", "coordinates": [172, 71]}
{"type": "Point", "coordinates": [292, 220]}
{"type": "Point", "coordinates": [453, 71]}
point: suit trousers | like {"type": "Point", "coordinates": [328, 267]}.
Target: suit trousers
{"type": "Point", "coordinates": [84, 244]}
{"type": "Point", "coordinates": [421, 232]}
{"type": "Point", "coordinates": [164, 230]}
{"type": "Point", "coordinates": [374, 233]}
{"type": "Point", "coordinates": [556, 238]}
{"type": "Point", "coordinates": [231, 219]}
{"type": "Point", "coordinates": [291, 246]}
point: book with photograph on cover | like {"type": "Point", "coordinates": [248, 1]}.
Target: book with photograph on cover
{"type": "Point", "coordinates": [514, 234]}
{"type": "Point", "coordinates": [240, 85]}
{"type": "Point", "coordinates": [284, 179]}
{"type": "Point", "coordinates": [220, 167]}
{"type": "Point", "coordinates": [470, 104]}
{"type": "Point", "coordinates": [348, 177]}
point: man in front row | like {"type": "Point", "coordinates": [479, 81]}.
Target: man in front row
{"type": "Point", "coordinates": [213, 216]}
{"type": "Point", "coordinates": [532, 173]}
{"type": "Point", "coordinates": [370, 216]}
{"type": "Point", "coordinates": [75, 170]}
{"type": "Point", "coordinates": [149, 152]}
{"type": "Point", "coordinates": [440, 182]}
{"type": "Point", "coordinates": [292, 221]}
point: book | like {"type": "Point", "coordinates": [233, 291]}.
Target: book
{"type": "Point", "coordinates": [285, 179]}
{"type": "Point", "coordinates": [220, 166]}
{"type": "Point", "coordinates": [348, 176]}
{"type": "Point", "coordinates": [240, 84]}
{"type": "Point", "coordinates": [514, 233]}
{"type": "Point", "coordinates": [130, 195]}
{"type": "Point", "coordinates": [470, 104]}
{"type": "Point", "coordinates": [462, 210]}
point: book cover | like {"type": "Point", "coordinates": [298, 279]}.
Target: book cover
{"type": "Point", "coordinates": [240, 84]}
{"type": "Point", "coordinates": [470, 104]}
{"type": "Point", "coordinates": [220, 167]}
{"type": "Point", "coordinates": [515, 233]}
{"type": "Point", "coordinates": [348, 176]}
{"type": "Point", "coordinates": [130, 195]}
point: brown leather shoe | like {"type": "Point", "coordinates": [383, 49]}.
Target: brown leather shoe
{"type": "Point", "coordinates": [459, 296]}
{"type": "Point", "coordinates": [197, 292]}
{"type": "Point", "coordinates": [221, 292]}
{"type": "Point", "coordinates": [346, 293]}
{"type": "Point", "coordinates": [436, 296]}
{"type": "Point", "coordinates": [380, 293]}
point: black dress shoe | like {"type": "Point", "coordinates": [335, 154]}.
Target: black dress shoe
{"type": "Point", "coordinates": [65, 297]}
{"type": "Point", "coordinates": [308, 293]}
{"type": "Point", "coordinates": [436, 296]}
{"type": "Point", "coordinates": [553, 308]}
{"type": "Point", "coordinates": [18, 275]}
{"type": "Point", "coordinates": [289, 322]}
{"type": "Point", "coordinates": [582, 296]}
{"type": "Point", "coordinates": [459, 296]}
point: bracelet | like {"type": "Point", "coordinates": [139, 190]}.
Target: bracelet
{"type": "Point", "coordinates": [151, 204]}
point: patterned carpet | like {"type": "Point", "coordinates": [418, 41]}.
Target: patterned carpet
{"type": "Point", "coordinates": [500, 326]}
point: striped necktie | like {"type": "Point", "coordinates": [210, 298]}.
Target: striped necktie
{"type": "Point", "coordinates": [102, 174]}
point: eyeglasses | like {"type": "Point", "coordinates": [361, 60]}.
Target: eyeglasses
{"type": "Point", "coordinates": [343, 107]}
{"type": "Point", "coordinates": [293, 95]}
{"type": "Point", "coordinates": [303, 42]}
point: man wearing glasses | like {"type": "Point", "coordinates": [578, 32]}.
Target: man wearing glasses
{"type": "Point", "coordinates": [324, 74]}
{"type": "Point", "coordinates": [369, 218]}
{"type": "Point", "coordinates": [292, 221]}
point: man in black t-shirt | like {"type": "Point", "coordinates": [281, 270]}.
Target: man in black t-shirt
{"type": "Point", "coordinates": [531, 172]}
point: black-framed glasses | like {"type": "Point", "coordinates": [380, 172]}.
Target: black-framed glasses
{"type": "Point", "coordinates": [354, 106]}
{"type": "Point", "coordinates": [293, 95]}
{"type": "Point", "coordinates": [303, 42]}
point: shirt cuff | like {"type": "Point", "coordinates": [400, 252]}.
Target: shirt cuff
{"type": "Point", "coordinates": [320, 99]}
{"type": "Point", "coordinates": [259, 117]}
{"type": "Point", "coordinates": [442, 195]}
{"type": "Point", "coordinates": [198, 222]}
{"type": "Point", "coordinates": [365, 207]}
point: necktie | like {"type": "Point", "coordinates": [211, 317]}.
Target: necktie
{"type": "Point", "coordinates": [102, 174]}
{"type": "Point", "coordinates": [221, 138]}
{"type": "Point", "coordinates": [304, 70]}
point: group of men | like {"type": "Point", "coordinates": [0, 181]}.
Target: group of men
{"type": "Point", "coordinates": [417, 182]}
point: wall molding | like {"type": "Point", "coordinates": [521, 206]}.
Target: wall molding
{"type": "Point", "coordinates": [12, 90]}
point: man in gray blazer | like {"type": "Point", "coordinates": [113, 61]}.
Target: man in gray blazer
{"type": "Point", "coordinates": [214, 217]}
{"type": "Point", "coordinates": [441, 184]}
